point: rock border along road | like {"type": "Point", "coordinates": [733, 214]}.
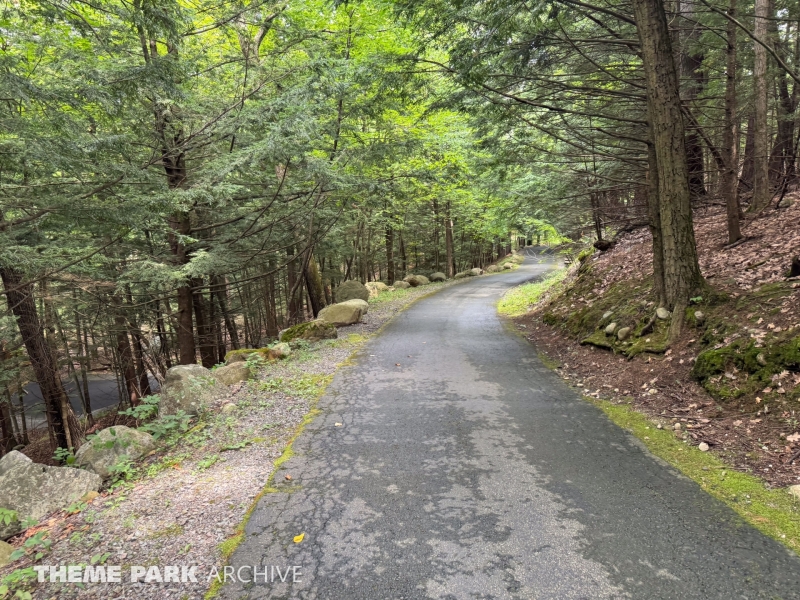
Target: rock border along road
{"type": "Point", "coordinates": [464, 468]}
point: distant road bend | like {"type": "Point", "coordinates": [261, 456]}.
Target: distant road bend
{"type": "Point", "coordinates": [472, 471]}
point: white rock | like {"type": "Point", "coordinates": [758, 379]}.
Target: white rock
{"type": "Point", "coordinates": [703, 447]}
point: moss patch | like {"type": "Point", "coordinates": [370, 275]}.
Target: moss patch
{"type": "Point", "coordinates": [773, 512]}
{"type": "Point", "coordinates": [519, 300]}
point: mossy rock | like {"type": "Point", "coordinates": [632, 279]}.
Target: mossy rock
{"type": "Point", "coordinates": [311, 331]}
{"type": "Point", "coordinates": [243, 354]}
{"type": "Point", "coordinates": [600, 340]}
{"type": "Point", "coordinates": [777, 355]}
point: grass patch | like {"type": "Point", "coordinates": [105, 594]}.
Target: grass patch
{"type": "Point", "coordinates": [519, 300]}
{"type": "Point", "coordinates": [775, 513]}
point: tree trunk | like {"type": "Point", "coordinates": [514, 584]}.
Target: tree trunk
{"type": "Point", "coordinates": [654, 222]}
{"type": "Point", "coordinates": [390, 275]}
{"type": "Point", "coordinates": [22, 305]}
{"type": "Point", "coordinates": [730, 143]}
{"type": "Point", "coordinates": [205, 337]}
{"type": "Point", "coordinates": [761, 186]}
{"type": "Point", "coordinates": [316, 294]}
{"type": "Point", "coordinates": [124, 355]}
{"type": "Point", "coordinates": [448, 241]}
{"type": "Point", "coordinates": [682, 277]}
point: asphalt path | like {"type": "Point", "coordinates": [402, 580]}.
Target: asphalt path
{"type": "Point", "coordinates": [464, 468]}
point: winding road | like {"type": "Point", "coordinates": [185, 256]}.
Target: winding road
{"type": "Point", "coordinates": [464, 469]}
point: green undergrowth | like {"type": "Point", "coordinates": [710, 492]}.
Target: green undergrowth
{"type": "Point", "coordinates": [519, 300]}
{"type": "Point", "coordinates": [774, 512]}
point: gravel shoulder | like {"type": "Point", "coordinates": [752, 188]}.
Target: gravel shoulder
{"type": "Point", "coordinates": [186, 504]}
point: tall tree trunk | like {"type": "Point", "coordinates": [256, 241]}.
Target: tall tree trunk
{"type": "Point", "coordinates": [181, 225]}
{"type": "Point", "coordinates": [316, 294]}
{"type": "Point", "coordinates": [7, 438]}
{"type": "Point", "coordinates": [126, 365]}
{"type": "Point", "coordinates": [761, 186]}
{"type": "Point", "coordinates": [730, 144]}
{"type": "Point", "coordinates": [219, 289]}
{"type": "Point", "coordinates": [20, 301]}
{"type": "Point", "coordinates": [654, 222]}
{"type": "Point", "coordinates": [448, 241]}
{"type": "Point", "coordinates": [205, 336]}
{"type": "Point", "coordinates": [390, 275]}
{"type": "Point", "coordinates": [294, 300]}
{"type": "Point", "coordinates": [682, 277]}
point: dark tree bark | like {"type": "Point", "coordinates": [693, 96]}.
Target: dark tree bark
{"type": "Point", "coordinates": [20, 300]}
{"type": "Point", "coordinates": [654, 223]}
{"type": "Point", "coordinates": [316, 295]}
{"type": "Point", "coordinates": [205, 335]}
{"type": "Point", "coordinates": [448, 241]}
{"type": "Point", "coordinates": [124, 354]}
{"type": "Point", "coordinates": [682, 277]}
{"type": "Point", "coordinates": [730, 143]}
{"type": "Point", "coordinates": [390, 274]}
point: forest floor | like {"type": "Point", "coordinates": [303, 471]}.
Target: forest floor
{"type": "Point", "coordinates": [732, 381]}
{"type": "Point", "coordinates": [186, 503]}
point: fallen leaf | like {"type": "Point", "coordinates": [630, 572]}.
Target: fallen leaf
{"type": "Point", "coordinates": [795, 437]}
{"type": "Point", "coordinates": [287, 477]}
{"type": "Point", "coordinates": [299, 538]}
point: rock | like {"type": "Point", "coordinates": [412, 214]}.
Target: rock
{"type": "Point", "coordinates": [110, 446]}
{"type": "Point", "coordinates": [794, 490]}
{"type": "Point", "coordinates": [611, 328]}
{"type": "Point", "coordinates": [623, 334]}
{"type": "Point", "coordinates": [438, 277]}
{"type": "Point", "coordinates": [508, 266]}
{"type": "Point", "coordinates": [761, 359]}
{"type": "Point", "coordinates": [699, 317]}
{"type": "Point", "coordinates": [476, 271]}
{"type": "Point", "coordinates": [364, 306]}
{"type": "Point", "coordinates": [462, 275]}
{"type": "Point", "coordinates": [187, 388]}
{"type": "Point", "coordinates": [235, 372]}
{"type": "Point", "coordinates": [416, 280]}
{"type": "Point", "coordinates": [677, 427]}
{"type": "Point", "coordinates": [5, 553]}
{"type": "Point", "coordinates": [785, 203]}
{"type": "Point", "coordinates": [280, 351]}
{"type": "Point", "coordinates": [703, 447]}
{"type": "Point", "coordinates": [351, 290]}
{"type": "Point", "coordinates": [311, 331]}
{"type": "Point", "coordinates": [343, 313]}
{"type": "Point", "coordinates": [662, 313]}
{"type": "Point", "coordinates": [376, 287]}
{"type": "Point", "coordinates": [33, 490]}
{"type": "Point", "coordinates": [606, 315]}
{"type": "Point", "coordinates": [493, 269]}
{"type": "Point", "coordinates": [401, 285]}
{"type": "Point", "coordinates": [228, 408]}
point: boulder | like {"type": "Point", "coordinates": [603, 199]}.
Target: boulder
{"type": "Point", "coordinates": [364, 306]}
{"type": "Point", "coordinates": [311, 331]}
{"type": "Point", "coordinates": [376, 287]}
{"type": "Point", "coordinates": [623, 334]}
{"type": "Point", "coordinates": [476, 271]}
{"type": "Point", "coordinates": [416, 280]}
{"type": "Point", "coordinates": [236, 372]}
{"type": "Point", "coordinates": [438, 277]}
{"type": "Point", "coordinates": [343, 313]}
{"type": "Point", "coordinates": [699, 317]}
{"type": "Point", "coordinates": [187, 388]}
{"type": "Point", "coordinates": [463, 274]}
{"type": "Point", "coordinates": [794, 490]}
{"type": "Point", "coordinates": [351, 290]}
{"type": "Point", "coordinates": [508, 266]}
{"type": "Point", "coordinates": [493, 269]}
{"type": "Point", "coordinates": [281, 351]}
{"type": "Point", "coordinates": [611, 328]}
{"type": "Point", "coordinates": [110, 446]}
{"type": "Point", "coordinates": [33, 490]}
{"type": "Point", "coordinates": [606, 315]}
{"type": "Point", "coordinates": [662, 313]}
{"type": "Point", "coordinates": [401, 285]}
{"type": "Point", "coordinates": [5, 553]}
{"type": "Point", "coordinates": [785, 202]}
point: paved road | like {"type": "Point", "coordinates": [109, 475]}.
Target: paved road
{"type": "Point", "coordinates": [471, 471]}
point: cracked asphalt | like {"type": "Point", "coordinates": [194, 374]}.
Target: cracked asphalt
{"type": "Point", "coordinates": [464, 468]}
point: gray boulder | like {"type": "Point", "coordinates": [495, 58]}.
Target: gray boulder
{"type": "Point", "coordinates": [281, 351]}
{"type": "Point", "coordinates": [662, 313]}
{"type": "Point", "coordinates": [463, 274]}
{"type": "Point", "coordinates": [187, 388]}
{"type": "Point", "coordinates": [311, 331]}
{"type": "Point", "coordinates": [623, 334]}
{"type": "Point", "coordinates": [236, 372]}
{"type": "Point", "coordinates": [416, 280]}
{"type": "Point", "coordinates": [438, 277]}
{"type": "Point", "coordinates": [33, 490]}
{"type": "Point", "coordinates": [376, 287]}
{"type": "Point", "coordinates": [351, 290]}
{"type": "Point", "coordinates": [110, 446]}
{"type": "Point", "coordinates": [5, 553]}
{"type": "Point", "coordinates": [401, 285]}
{"type": "Point", "coordinates": [364, 306]}
{"type": "Point", "coordinates": [507, 266]}
{"type": "Point", "coordinates": [343, 313]}
{"type": "Point", "coordinates": [476, 271]}
{"type": "Point", "coordinates": [786, 202]}
{"type": "Point", "coordinates": [493, 269]}
{"type": "Point", "coordinates": [699, 317]}
{"type": "Point", "coordinates": [611, 328]}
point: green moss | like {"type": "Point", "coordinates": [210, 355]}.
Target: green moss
{"type": "Point", "coordinates": [244, 353]}
{"type": "Point", "coordinates": [599, 340]}
{"type": "Point", "coordinates": [742, 360]}
{"type": "Point", "coordinates": [298, 331]}
{"type": "Point", "coordinates": [774, 512]}
{"type": "Point", "coordinates": [519, 300]}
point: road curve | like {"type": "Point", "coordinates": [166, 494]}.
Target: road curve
{"type": "Point", "coordinates": [464, 468]}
